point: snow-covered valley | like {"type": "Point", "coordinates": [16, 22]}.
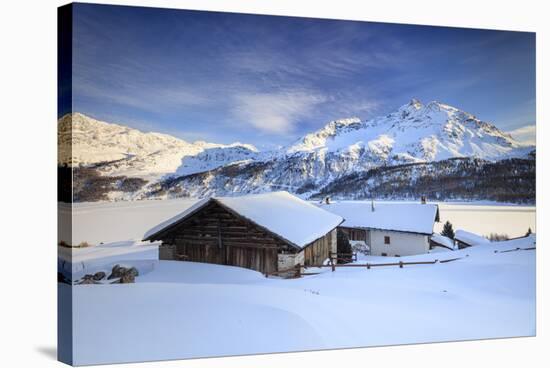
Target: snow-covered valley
{"type": "Point", "coordinates": [180, 309]}
{"type": "Point", "coordinates": [488, 293]}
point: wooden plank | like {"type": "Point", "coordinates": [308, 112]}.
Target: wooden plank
{"type": "Point", "coordinates": [220, 246]}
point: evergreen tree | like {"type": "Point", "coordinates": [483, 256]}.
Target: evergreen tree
{"type": "Point", "coordinates": [448, 230]}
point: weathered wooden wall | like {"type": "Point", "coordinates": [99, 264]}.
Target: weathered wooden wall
{"type": "Point", "coordinates": [318, 251]}
{"type": "Point", "coordinates": [215, 235]}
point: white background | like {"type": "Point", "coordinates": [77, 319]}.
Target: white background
{"type": "Point", "coordinates": [28, 180]}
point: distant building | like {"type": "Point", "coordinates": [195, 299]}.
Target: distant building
{"type": "Point", "coordinates": [388, 229]}
{"type": "Point", "coordinates": [265, 232]}
{"type": "Point", "coordinates": [465, 239]}
{"type": "Point", "coordinates": [442, 242]}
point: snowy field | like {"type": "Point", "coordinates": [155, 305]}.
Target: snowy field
{"type": "Point", "coordinates": [185, 310]}
{"type": "Point", "coordinates": [106, 222]}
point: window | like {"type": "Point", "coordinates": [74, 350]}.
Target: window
{"type": "Point", "coordinates": [386, 240]}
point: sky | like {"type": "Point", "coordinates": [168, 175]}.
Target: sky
{"type": "Point", "coordinates": [268, 80]}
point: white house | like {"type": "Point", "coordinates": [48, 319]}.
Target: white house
{"type": "Point", "coordinates": [388, 229]}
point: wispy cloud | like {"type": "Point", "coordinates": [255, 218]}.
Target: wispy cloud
{"type": "Point", "coordinates": [270, 79]}
{"type": "Point", "coordinates": [275, 113]}
{"type": "Point", "coordinates": [143, 96]}
{"type": "Point", "coordinates": [526, 134]}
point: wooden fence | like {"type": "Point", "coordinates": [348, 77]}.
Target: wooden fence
{"type": "Point", "coordinates": [514, 250]}
{"type": "Point", "coordinates": [296, 271]}
{"type": "Point", "coordinates": [369, 265]}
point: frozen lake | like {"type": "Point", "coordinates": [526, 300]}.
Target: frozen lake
{"type": "Point", "coordinates": [512, 220]}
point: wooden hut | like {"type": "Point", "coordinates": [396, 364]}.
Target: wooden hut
{"type": "Point", "coordinates": [268, 232]}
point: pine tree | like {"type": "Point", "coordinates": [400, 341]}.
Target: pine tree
{"type": "Point", "coordinates": [448, 230]}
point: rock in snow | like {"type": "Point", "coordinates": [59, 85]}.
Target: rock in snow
{"type": "Point", "coordinates": [100, 275]}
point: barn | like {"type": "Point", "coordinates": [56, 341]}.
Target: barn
{"type": "Point", "coordinates": [387, 229]}
{"type": "Point", "coordinates": [268, 232]}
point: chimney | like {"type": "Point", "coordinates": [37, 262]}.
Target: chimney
{"type": "Point", "coordinates": [372, 207]}
{"type": "Point", "coordinates": [423, 199]}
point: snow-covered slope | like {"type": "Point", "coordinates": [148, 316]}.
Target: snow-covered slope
{"type": "Point", "coordinates": [130, 152]}
{"type": "Point", "coordinates": [217, 156]}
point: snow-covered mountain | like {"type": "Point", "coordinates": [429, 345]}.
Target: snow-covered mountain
{"type": "Point", "coordinates": [215, 157]}
{"type": "Point", "coordinates": [415, 133]}
{"type": "Point", "coordinates": [124, 151]}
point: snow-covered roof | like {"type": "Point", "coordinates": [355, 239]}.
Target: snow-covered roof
{"type": "Point", "coordinates": [439, 250]}
{"type": "Point", "coordinates": [172, 220]}
{"type": "Point", "coordinates": [443, 240]}
{"type": "Point", "coordinates": [470, 238]}
{"type": "Point", "coordinates": [407, 217]}
{"type": "Point", "coordinates": [291, 218]}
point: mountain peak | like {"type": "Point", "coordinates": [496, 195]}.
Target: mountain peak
{"type": "Point", "coordinates": [413, 104]}
{"type": "Point", "coordinates": [416, 103]}
{"type": "Point", "coordinates": [338, 123]}
{"type": "Point", "coordinates": [414, 132]}
{"type": "Point", "coordinates": [411, 107]}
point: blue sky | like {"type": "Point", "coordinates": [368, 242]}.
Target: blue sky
{"type": "Point", "coordinates": [268, 80]}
